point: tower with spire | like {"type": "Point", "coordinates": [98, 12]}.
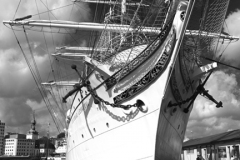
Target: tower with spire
{"type": "Point", "coordinates": [32, 133]}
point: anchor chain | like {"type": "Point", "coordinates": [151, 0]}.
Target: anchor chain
{"type": "Point", "coordinates": [183, 101]}
{"type": "Point", "coordinates": [86, 83]}
{"type": "Point", "coordinates": [138, 103]}
{"type": "Point", "coordinates": [97, 99]}
{"type": "Point", "coordinates": [125, 107]}
{"type": "Point", "coordinates": [199, 90]}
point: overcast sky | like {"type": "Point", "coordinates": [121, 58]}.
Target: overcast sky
{"type": "Point", "coordinates": [19, 95]}
{"type": "Point", "coordinates": [223, 85]}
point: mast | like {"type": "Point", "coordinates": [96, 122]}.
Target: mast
{"type": "Point", "coordinates": [123, 12]}
{"type": "Point", "coordinates": [117, 28]}
{"type": "Point", "coordinates": [210, 35]}
{"type": "Point", "coordinates": [124, 9]}
{"type": "Point", "coordinates": [112, 2]}
{"type": "Point", "coordinates": [110, 35]}
{"type": "Point", "coordinates": [60, 83]}
{"type": "Point", "coordinates": [80, 49]}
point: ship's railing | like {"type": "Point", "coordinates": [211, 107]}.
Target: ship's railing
{"type": "Point", "coordinates": [152, 14]}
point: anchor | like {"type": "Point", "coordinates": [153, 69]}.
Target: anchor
{"type": "Point", "coordinates": [202, 91]}
{"type": "Point", "coordinates": [205, 93]}
{"type": "Point", "coordinates": [84, 83]}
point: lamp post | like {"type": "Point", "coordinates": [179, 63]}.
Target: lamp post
{"type": "Point", "coordinates": [47, 140]}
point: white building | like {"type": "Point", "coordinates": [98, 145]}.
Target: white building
{"type": "Point", "coordinates": [18, 145]}
{"type": "Point", "coordinates": [62, 149]}
{"type": "Point", "coordinates": [2, 128]}
{"type": "Point", "coordinates": [59, 142]}
{"type": "Point", "coordinates": [223, 146]}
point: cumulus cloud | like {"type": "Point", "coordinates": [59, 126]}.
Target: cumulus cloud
{"type": "Point", "coordinates": [79, 12]}
{"type": "Point", "coordinates": [19, 95]}
{"type": "Point", "coordinates": [223, 85]}
{"type": "Point", "coordinates": [16, 80]}
{"type": "Point", "coordinates": [205, 118]}
{"type": "Point", "coordinates": [13, 114]}
{"type": "Point", "coordinates": [232, 27]}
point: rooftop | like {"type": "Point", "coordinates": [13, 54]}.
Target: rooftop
{"type": "Point", "coordinates": [213, 139]}
{"type": "Point", "coordinates": [15, 135]}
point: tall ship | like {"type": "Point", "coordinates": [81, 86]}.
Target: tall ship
{"type": "Point", "coordinates": [136, 77]}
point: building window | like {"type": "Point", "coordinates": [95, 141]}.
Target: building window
{"type": "Point", "coordinates": [190, 151]}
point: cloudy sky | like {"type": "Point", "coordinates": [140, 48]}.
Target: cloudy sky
{"type": "Point", "coordinates": [223, 85]}
{"type": "Point", "coordinates": [19, 95]}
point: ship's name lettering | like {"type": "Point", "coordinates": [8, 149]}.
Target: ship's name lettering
{"type": "Point", "coordinates": [208, 67]}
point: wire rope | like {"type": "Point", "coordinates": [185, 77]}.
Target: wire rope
{"type": "Point", "coordinates": [60, 108]}
{"type": "Point", "coordinates": [38, 76]}
{"type": "Point", "coordinates": [35, 79]}
{"type": "Point", "coordinates": [17, 9]}
{"type": "Point", "coordinates": [49, 60]}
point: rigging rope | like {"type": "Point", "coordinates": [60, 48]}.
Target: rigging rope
{"type": "Point", "coordinates": [52, 10]}
{"type": "Point", "coordinates": [57, 19]}
{"type": "Point", "coordinates": [32, 71]}
{"type": "Point", "coordinates": [220, 56]}
{"type": "Point", "coordinates": [35, 79]}
{"type": "Point", "coordinates": [61, 111]}
{"type": "Point", "coordinates": [38, 77]}
{"type": "Point", "coordinates": [17, 9]}
{"type": "Point", "coordinates": [199, 90]}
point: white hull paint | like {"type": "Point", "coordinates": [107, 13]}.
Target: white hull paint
{"type": "Point", "coordinates": [133, 139]}
{"type": "Point", "coordinates": [97, 132]}
{"type": "Point", "coordinates": [104, 132]}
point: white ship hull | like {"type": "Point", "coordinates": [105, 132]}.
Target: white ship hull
{"type": "Point", "coordinates": [101, 132]}
{"type": "Point", "coordinates": [137, 86]}
{"type": "Point", "coordinates": [154, 135]}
